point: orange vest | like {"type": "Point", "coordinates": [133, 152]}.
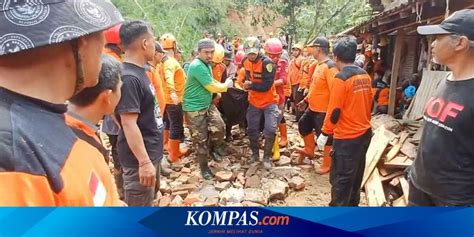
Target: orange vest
{"type": "Point", "coordinates": [256, 98]}
{"type": "Point", "coordinates": [218, 72]}
{"type": "Point", "coordinates": [241, 77]}
{"type": "Point", "coordinates": [318, 95]}
{"type": "Point", "coordinates": [294, 73]}
{"type": "Point", "coordinates": [155, 79]}
{"type": "Point", "coordinates": [177, 78]}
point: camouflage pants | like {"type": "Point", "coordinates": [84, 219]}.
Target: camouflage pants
{"type": "Point", "coordinates": [207, 129]}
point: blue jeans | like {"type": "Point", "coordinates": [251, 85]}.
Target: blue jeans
{"type": "Point", "coordinates": [271, 114]}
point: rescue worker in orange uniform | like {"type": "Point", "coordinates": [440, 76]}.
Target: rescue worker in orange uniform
{"type": "Point", "coordinates": [317, 101]}
{"type": "Point", "coordinates": [294, 76]}
{"type": "Point", "coordinates": [43, 163]}
{"type": "Point", "coordinates": [239, 57]}
{"type": "Point", "coordinates": [274, 49]}
{"type": "Point", "coordinates": [381, 91]}
{"type": "Point", "coordinates": [173, 82]}
{"type": "Point", "coordinates": [263, 99]}
{"type": "Point", "coordinates": [218, 68]}
{"type": "Point", "coordinates": [348, 121]}
{"type": "Point", "coordinates": [86, 109]}
{"type": "Point", "coordinates": [110, 124]}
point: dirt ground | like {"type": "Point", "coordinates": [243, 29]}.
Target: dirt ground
{"type": "Point", "coordinates": [316, 191]}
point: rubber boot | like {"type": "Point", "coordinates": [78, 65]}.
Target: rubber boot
{"type": "Point", "coordinates": [165, 167]}
{"type": "Point", "coordinates": [283, 135]}
{"type": "Point", "coordinates": [166, 136]}
{"type": "Point", "coordinates": [308, 150]}
{"type": "Point", "coordinates": [267, 152]}
{"type": "Point", "coordinates": [173, 150]}
{"type": "Point", "coordinates": [254, 147]}
{"type": "Point", "coordinates": [326, 165]}
{"type": "Point", "coordinates": [206, 172]}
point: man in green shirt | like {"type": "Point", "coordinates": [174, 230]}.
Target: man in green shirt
{"type": "Point", "coordinates": [203, 118]}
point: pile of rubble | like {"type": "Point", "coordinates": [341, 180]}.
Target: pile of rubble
{"type": "Point", "coordinates": [236, 183]}
{"type": "Point", "coordinates": [392, 150]}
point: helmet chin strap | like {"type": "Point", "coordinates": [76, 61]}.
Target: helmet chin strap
{"type": "Point", "coordinates": [79, 68]}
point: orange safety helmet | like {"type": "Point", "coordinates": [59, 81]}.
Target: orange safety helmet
{"type": "Point", "coordinates": [112, 35]}
{"type": "Point", "coordinates": [218, 55]}
{"type": "Point", "coordinates": [168, 41]}
{"type": "Point", "coordinates": [239, 56]}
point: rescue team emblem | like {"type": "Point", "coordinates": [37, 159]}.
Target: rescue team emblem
{"type": "Point", "coordinates": [12, 43]}
{"type": "Point", "coordinates": [25, 13]}
{"type": "Point", "coordinates": [92, 13]}
{"type": "Point", "coordinates": [65, 33]}
{"type": "Point", "coordinates": [269, 67]}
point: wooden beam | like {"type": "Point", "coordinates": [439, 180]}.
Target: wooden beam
{"type": "Point", "coordinates": [374, 190]}
{"type": "Point", "coordinates": [377, 146]}
{"type": "Point", "coordinates": [395, 71]}
{"type": "Point", "coordinates": [395, 149]}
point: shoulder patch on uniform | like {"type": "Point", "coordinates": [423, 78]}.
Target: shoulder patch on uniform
{"type": "Point", "coordinates": [349, 71]}
{"type": "Point", "coordinates": [269, 67]}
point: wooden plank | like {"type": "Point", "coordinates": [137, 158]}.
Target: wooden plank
{"type": "Point", "coordinates": [391, 176]}
{"type": "Point", "coordinates": [405, 187]}
{"type": "Point", "coordinates": [400, 202]}
{"type": "Point", "coordinates": [428, 85]}
{"type": "Point", "coordinates": [384, 171]}
{"type": "Point", "coordinates": [374, 190]}
{"type": "Point", "coordinates": [377, 146]}
{"type": "Point", "coordinates": [395, 149]}
{"type": "Point", "coordinates": [399, 162]}
{"type": "Point", "coordinates": [395, 70]}
{"type": "Point", "coordinates": [409, 149]}
{"type": "Point", "coordinates": [417, 137]}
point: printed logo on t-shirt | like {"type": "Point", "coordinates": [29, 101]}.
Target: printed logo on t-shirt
{"type": "Point", "coordinates": [438, 111]}
{"type": "Point", "coordinates": [157, 111]}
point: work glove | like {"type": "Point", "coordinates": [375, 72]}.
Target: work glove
{"type": "Point", "coordinates": [229, 82]}
{"type": "Point", "coordinates": [322, 140]}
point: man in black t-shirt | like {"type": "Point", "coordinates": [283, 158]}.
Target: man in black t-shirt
{"type": "Point", "coordinates": [140, 142]}
{"type": "Point", "coordinates": [443, 172]}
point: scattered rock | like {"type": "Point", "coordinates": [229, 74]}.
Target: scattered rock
{"type": "Point", "coordinates": [193, 198]}
{"type": "Point", "coordinates": [284, 160]}
{"type": "Point", "coordinates": [306, 167]}
{"type": "Point", "coordinates": [278, 189]}
{"type": "Point", "coordinates": [234, 204]}
{"type": "Point", "coordinates": [164, 201]}
{"type": "Point", "coordinates": [164, 187]}
{"type": "Point", "coordinates": [241, 178]}
{"type": "Point", "coordinates": [222, 185]}
{"type": "Point", "coordinates": [211, 202]}
{"type": "Point", "coordinates": [208, 192]}
{"type": "Point", "coordinates": [194, 179]}
{"type": "Point", "coordinates": [285, 152]}
{"type": "Point", "coordinates": [182, 193]}
{"type": "Point", "coordinates": [295, 201]}
{"type": "Point", "coordinates": [232, 195]}
{"type": "Point", "coordinates": [174, 175]}
{"type": "Point", "coordinates": [252, 182]}
{"type": "Point", "coordinates": [252, 170]}
{"type": "Point", "coordinates": [177, 201]}
{"type": "Point", "coordinates": [297, 183]}
{"type": "Point", "coordinates": [251, 204]}
{"type": "Point", "coordinates": [256, 195]}
{"type": "Point", "coordinates": [238, 185]}
{"type": "Point", "coordinates": [183, 178]}
{"type": "Point", "coordinates": [285, 171]}
{"type": "Point", "coordinates": [186, 170]}
{"type": "Point", "coordinates": [225, 176]}
{"type": "Point", "coordinates": [185, 187]}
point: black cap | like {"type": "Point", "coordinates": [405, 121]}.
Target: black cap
{"type": "Point", "coordinates": [158, 48]}
{"type": "Point", "coordinates": [319, 42]}
{"type": "Point", "coordinates": [31, 24]}
{"type": "Point", "coordinates": [460, 23]}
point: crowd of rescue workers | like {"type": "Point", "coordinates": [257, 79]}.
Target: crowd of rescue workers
{"type": "Point", "coordinates": [59, 82]}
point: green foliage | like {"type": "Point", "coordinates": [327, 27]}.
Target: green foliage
{"type": "Point", "coordinates": [187, 20]}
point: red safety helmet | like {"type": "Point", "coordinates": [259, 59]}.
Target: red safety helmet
{"type": "Point", "coordinates": [273, 46]}
{"type": "Point", "coordinates": [239, 56]}
{"type": "Point", "coordinates": [112, 35]}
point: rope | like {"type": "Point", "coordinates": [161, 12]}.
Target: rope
{"type": "Point", "coordinates": [447, 9]}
